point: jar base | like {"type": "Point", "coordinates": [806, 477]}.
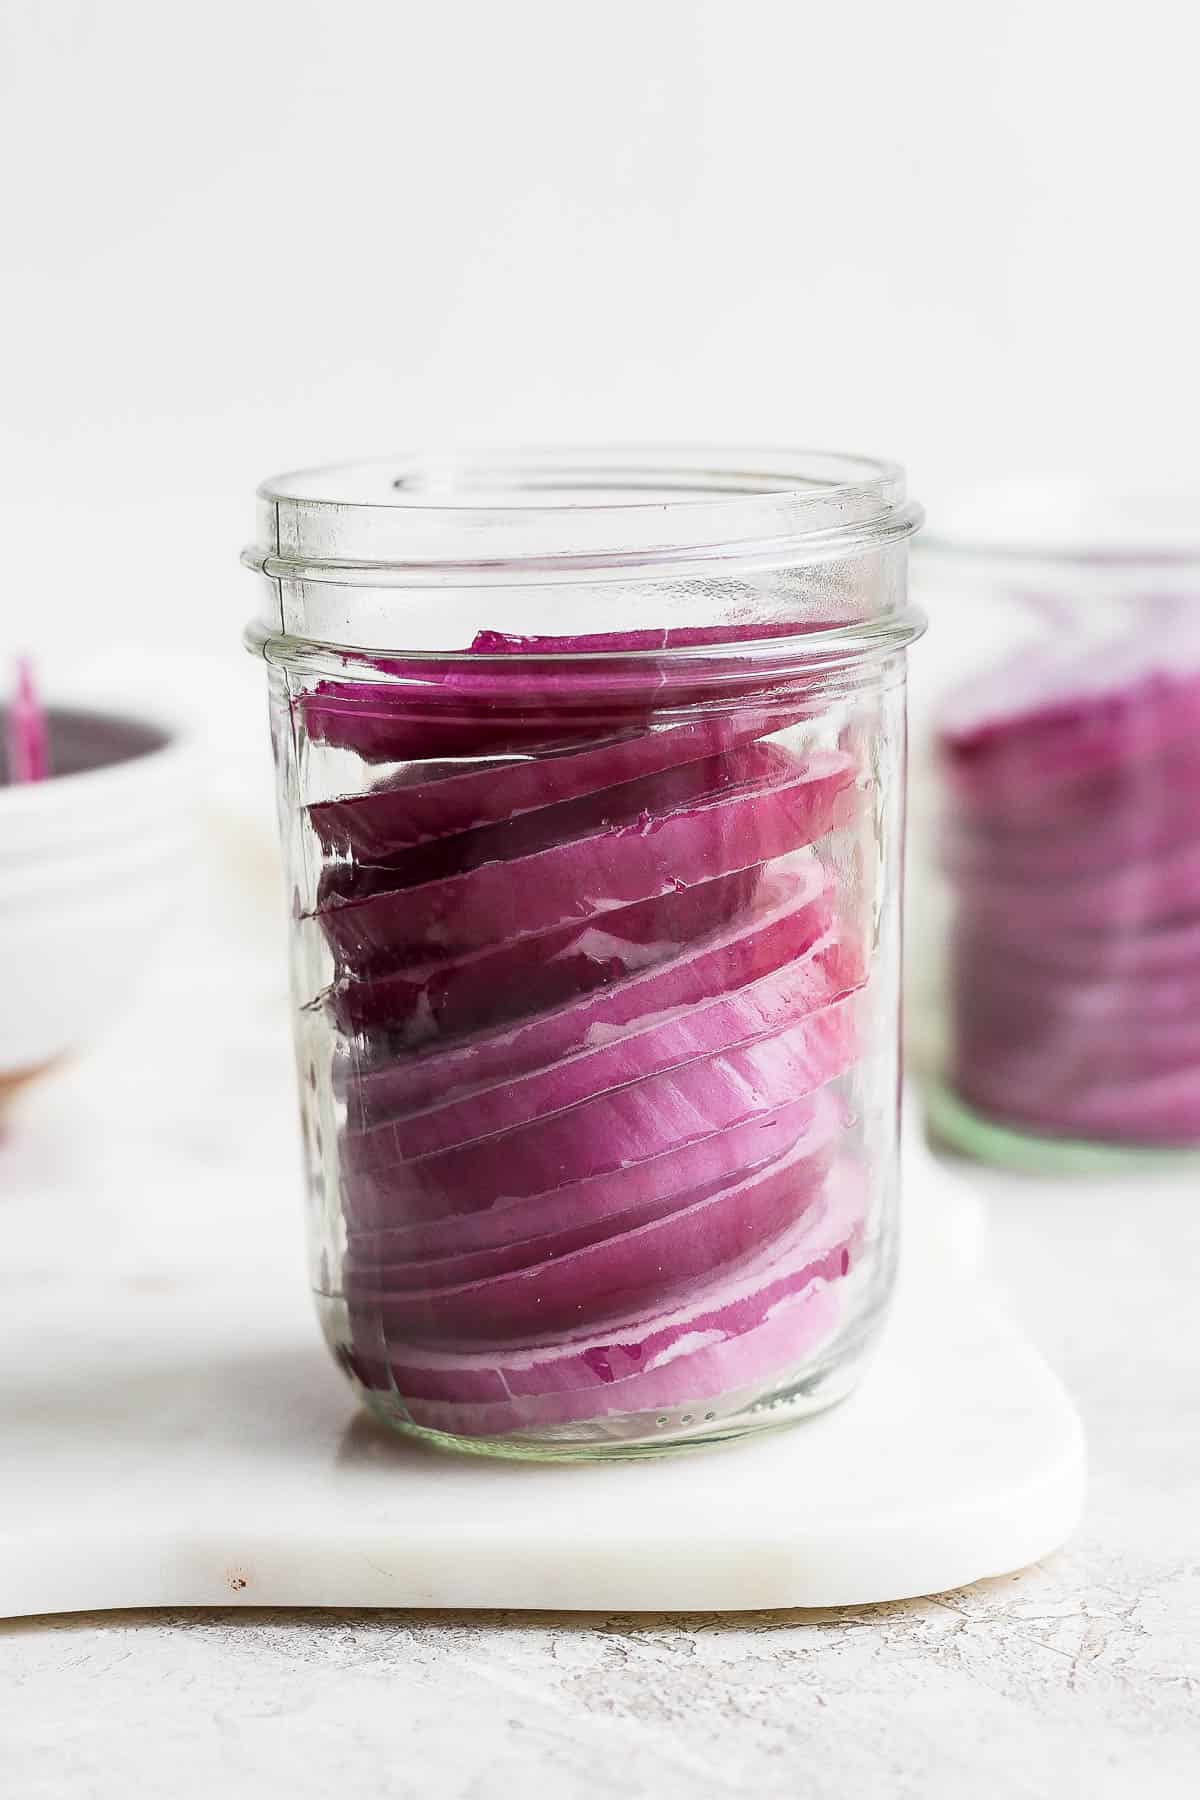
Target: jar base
{"type": "Point", "coordinates": [955, 1124]}
{"type": "Point", "coordinates": [813, 1390]}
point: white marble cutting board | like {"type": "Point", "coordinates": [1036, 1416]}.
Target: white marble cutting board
{"type": "Point", "coordinates": [174, 1433]}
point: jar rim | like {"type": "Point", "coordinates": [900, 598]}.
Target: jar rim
{"type": "Point", "coordinates": [506, 515]}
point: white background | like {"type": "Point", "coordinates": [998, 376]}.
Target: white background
{"type": "Point", "coordinates": [255, 234]}
{"type": "Point", "coordinates": [238, 236]}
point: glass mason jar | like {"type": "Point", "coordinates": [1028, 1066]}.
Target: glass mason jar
{"type": "Point", "coordinates": [591, 782]}
{"type": "Point", "coordinates": [1064, 835]}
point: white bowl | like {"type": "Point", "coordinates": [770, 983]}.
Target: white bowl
{"type": "Point", "coordinates": [91, 862]}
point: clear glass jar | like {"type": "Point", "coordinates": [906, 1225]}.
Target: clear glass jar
{"type": "Point", "coordinates": [591, 782]}
{"type": "Point", "coordinates": [1065, 833]}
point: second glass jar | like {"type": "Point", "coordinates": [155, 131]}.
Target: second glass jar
{"type": "Point", "coordinates": [591, 778]}
{"type": "Point", "coordinates": [1065, 833]}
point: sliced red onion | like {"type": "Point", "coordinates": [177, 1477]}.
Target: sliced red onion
{"type": "Point", "coordinates": [605, 1134]}
{"type": "Point", "coordinates": [1073, 847]}
{"type": "Point", "coordinates": [1169, 950]}
{"type": "Point", "coordinates": [830, 969]}
{"type": "Point", "coordinates": [697, 1380]}
{"type": "Point", "coordinates": [746, 1328]}
{"type": "Point", "coordinates": [438, 993]}
{"type": "Point", "coordinates": [594, 999]}
{"type": "Point", "coordinates": [658, 1262]}
{"type": "Point", "coordinates": [1134, 896]}
{"type": "Point", "coordinates": [1148, 818]}
{"type": "Point", "coordinates": [499, 701]}
{"type": "Point", "coordinates": [523, 881]}
{"type": "Point", "coordinates": [1143, 1107]}
{"type": "Point", "coordinates": [790, 917]}
{"type": "Point", "coordinates": [1097, 721]}
{"type": "Point", "coordinates": [392, 1251]}
{"type": "Point", "coordinates": [376, 827]}
{"type": "Point", "coordinates": [382, 1227]}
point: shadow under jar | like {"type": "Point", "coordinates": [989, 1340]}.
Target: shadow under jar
{"type": "Point", "coordinates": [1067, 837]}
{"type": "Point", "coordinates": [591, 777]}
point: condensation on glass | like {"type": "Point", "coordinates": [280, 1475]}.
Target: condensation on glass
{"type": "Point", "coordinates": [591, 783]}
{"type": "Point", "coordinates": [1059, 871]}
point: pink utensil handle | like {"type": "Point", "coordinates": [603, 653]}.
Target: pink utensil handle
{"type": "Point", "coordinates": [27, 748]}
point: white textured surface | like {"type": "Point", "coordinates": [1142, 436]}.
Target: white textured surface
{"type": "Point", "coordinates": [1067, 1679]}
{"type": "Point", "coordinates": [179, 1384]}
{"type": "Point", "coordinates": [221, 1454]}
